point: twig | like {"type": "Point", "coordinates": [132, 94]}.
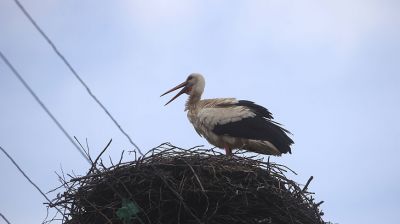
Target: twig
{"type": "Point", "coordinates": [306, 186]}
{"type": "Point", "coordinates": [98, 157]}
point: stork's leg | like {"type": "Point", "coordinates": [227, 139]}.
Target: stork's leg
{"type": "Point", "coordinates": [228, 151]}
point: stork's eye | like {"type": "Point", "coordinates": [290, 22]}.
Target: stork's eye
{"type": "Point", "coordinates": [189, 78]}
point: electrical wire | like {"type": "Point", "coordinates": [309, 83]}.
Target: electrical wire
{"type": "Point", "coordinates": [26, 176]}
{"type": "Point", "coordinates": [25, 84]}
{"type": "Point", "coordinates": [66, 62]}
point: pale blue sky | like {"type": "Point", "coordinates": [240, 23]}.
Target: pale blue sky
{"type": "Point", "coordinates": [328, 70]}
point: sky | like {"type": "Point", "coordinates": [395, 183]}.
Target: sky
{"type": "Point", "coordinates": [328, 70]}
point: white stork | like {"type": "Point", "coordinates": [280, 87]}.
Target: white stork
{"type": "Point", "coordinates": [230, 123]}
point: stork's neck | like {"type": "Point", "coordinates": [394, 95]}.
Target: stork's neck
{"type": "Point", "coordinates": [192, 101]}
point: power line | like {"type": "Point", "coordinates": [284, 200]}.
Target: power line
{"type": "Point", "coordinates": [26, 176]}
{"type": "Point", "coordinates": [5, 219]}
{"type": "Point", "coordinates": [16, 73]}
{"type": "Point", "coordinates": [50, 42]}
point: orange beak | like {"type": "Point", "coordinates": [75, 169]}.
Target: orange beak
{"type": "Point", "coordinates": [184, 90]}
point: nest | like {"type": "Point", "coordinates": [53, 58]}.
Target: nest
{"type": "Point", "coordinates": [174, 185]}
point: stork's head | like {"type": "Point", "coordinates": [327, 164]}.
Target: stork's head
{"type": "Point", "coordinates": [193, 86]}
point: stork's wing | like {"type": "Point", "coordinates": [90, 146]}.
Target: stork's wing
{"type": "Point", "coordinates": [246, 119]}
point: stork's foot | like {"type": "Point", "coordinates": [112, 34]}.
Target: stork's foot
{"type": "Point", "coordinates": [228, 151]}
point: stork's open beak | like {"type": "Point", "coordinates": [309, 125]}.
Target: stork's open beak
{"type": "Point", "coordinates": [184, 90]}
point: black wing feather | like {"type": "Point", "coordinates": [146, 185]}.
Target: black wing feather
{"type": "Point", "coordinates": [259, 127]}
{"type": "Point", "coordinates": [257, 109]}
